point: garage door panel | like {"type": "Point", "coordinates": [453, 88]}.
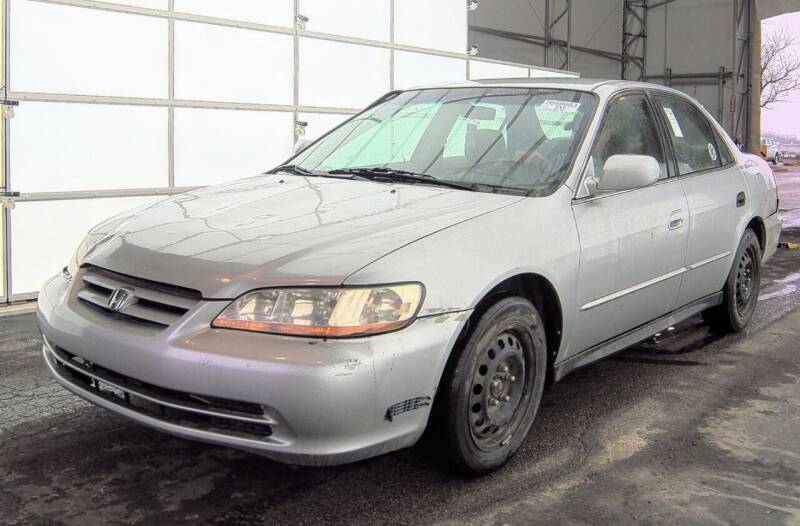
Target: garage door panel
{"type": "Point", "coordinates": [216, 63]}
{"type": "Point", "coordinates": [341, 75]}
{"type": "Point", "coordinates": [443, 26]}
{"type": "Point", "coordinates": [61, 147]}
{"type": "Point", "coordinates": [46, 233]}
{"type": "Point", "coordinates": [215, 146]}
{"type": "Point", "coordinates": [415, 69]}
{"type": "Point", "coordinates": [175, 115]}
{"type": "Point", "coordinates": [73, 50]}
{"type": "Point", "coordinates": [272, 12]}
{"type": "Point", "coordinates": [369, 19]}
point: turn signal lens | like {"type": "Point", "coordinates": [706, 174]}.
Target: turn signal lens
{"type": "Point", "coordinates": [324, 313]}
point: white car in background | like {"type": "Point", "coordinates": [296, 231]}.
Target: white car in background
{"type": "Point", "coordinates": [772, 149]}
{"type": "Point", "coordinates": [430, 264]}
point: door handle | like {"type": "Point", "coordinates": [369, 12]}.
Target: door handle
{"type": "Point", "coordinates": [676, 219]}
{"type": "Point", "coordinates": [741, 199]}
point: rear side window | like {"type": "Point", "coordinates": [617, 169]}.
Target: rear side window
{"type": "Point", "coordinates": [724, 153]}
{"type": "Point", "coordinates": [692, 135]}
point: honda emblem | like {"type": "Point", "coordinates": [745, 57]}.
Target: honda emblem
{"type": "Point", "coordinates": [120, 299]}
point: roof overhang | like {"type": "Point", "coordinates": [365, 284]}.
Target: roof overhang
{"type": "Point", "coordinates": [770, 8]}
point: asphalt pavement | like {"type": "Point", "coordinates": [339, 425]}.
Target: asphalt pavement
{"type": "Point", "coordinates": [689, 428]}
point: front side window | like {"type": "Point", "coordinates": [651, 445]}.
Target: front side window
{"type": "Point", "coordinates": [692, 136]}
{"type": "Point", "coordinates": [628, 129]}
{"type": "Point", "coordinates": [509, 140]}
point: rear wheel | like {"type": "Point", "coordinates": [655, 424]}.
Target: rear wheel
{"type": "Point", "coordinates": [740, 294]}
{"type": "Point", "coordinates": [493, 394]}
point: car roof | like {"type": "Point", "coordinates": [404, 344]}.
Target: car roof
{"type": "Point", "coordinates": [583, 84]}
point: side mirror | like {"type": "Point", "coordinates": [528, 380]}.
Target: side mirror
{"type": "Point", "coordinates": [301, 145]}
{"type": "Point", "coordinates": [626, 172]}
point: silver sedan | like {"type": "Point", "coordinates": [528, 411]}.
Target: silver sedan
{"type": "Point", "coordinates": [429, 266]}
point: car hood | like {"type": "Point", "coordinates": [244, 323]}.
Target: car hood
{"type": "Point", "coordinates": [277, 230]}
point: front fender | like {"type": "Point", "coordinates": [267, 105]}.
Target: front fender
{"type": "Point", "coordinates": [461, 264]}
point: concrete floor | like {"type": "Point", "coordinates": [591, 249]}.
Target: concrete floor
{"type": "Point", "coordinates": [693, 429]}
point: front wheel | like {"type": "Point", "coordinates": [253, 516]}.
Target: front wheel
{"type": "Point", "coordinates": [740, 295]}
{"type": "Point", "coordinates": [493, 394]}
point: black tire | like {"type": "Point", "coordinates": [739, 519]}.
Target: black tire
{"type": "Point", "coordinates": [493, 393]}
{"type": "Point", "coordinates": [740, 295]}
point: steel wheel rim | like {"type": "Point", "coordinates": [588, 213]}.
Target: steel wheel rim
{"type": "Point", "coordinates": [745, 281]}
{"type": "Point", "coordinates": [500, 384]}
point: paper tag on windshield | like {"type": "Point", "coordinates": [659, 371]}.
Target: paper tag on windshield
{"type": "Point", "coordinates": [676, 128]}
{"type": "Point", "coordinates": [563, 106]}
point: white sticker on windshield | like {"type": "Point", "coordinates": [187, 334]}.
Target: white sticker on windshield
{"type": "Point", "coordinates": [676, 128]}
{"type": "Point", "coordinates": [563, 106]}
{"type": "Point", "coordinates": [712, 152]}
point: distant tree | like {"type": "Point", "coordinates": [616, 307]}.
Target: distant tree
{"type": "Point", "coordinates": [781, 138]}
{"type": "Point", "coordinates": [780, 65]}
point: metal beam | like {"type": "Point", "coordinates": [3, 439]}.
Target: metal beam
{"type": "Point", "coordinates": [690, 76]}
{"type": "Point", "coordinates": [100, 194]}
{"type": "Point", "coordinates": [659, 4]}
{"type": "Point", "coordinates": [171, 96]}
{"type": "Point", "coordinates": [176, 103]}
{"type": "Point", "coordinates": [540, 41]}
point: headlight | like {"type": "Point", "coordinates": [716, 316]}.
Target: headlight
{"type": "Point", "coordinates": [324, 313]}
{"type": "Point", "coordinates": [77, 258]}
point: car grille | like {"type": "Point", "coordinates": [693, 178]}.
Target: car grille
{"type": "Point", "coordinates": [228, 417]}
{"type": "Point", "coordinates": [150, 303]}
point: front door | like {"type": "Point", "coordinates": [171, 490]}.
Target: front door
{"type": "Point", "coordinates": [633, 243]}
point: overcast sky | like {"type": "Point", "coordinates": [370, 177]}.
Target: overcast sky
{"type": "Point", "coordinates": [784, 117]}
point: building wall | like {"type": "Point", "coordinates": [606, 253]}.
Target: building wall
{"type": "Point", "coordinates": [688, 36]}
{"type": "Point", "coordinates": [125, 101]}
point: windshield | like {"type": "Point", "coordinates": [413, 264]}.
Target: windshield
{"type": "Point", "coordinates": [510, 140]}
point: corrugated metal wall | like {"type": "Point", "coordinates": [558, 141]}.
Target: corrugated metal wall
{"type": "Point", "coordinates": [690, 44]}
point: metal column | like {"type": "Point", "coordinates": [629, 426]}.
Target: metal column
{"type": "Point", "coordinates": [740, 128]}
{"type": "Point", "coordinates": [558, 52]}
{"type": "Point", "coordinates": [5, 231]}
{"type": "Point", "coordinates": [634, 39]}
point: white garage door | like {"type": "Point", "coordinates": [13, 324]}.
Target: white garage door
{"type": "Point", "coordinates": [125, 101]}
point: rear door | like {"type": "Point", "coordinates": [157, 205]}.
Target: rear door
{"type": "Point", "coordinates": [633, 242]}
{"type": "Point", "coordinates": [716, 192]}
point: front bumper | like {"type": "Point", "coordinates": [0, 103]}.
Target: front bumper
{"type": "Point", "coordinates": [296, 400]}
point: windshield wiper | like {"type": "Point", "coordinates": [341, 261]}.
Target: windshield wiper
{"type": "Point", "coordinates": [293, 169]}
{"type": "Point", "coordinates": [400, 176]}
